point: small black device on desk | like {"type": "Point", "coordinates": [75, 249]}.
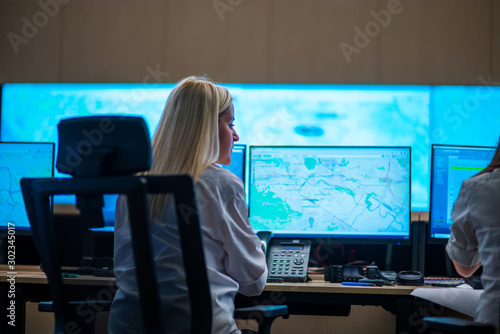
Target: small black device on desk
{"type": "Point", "coordinates": [474, 281]}
{"type": "Point", "coordinates": [410, 277]}
{"type": "Point", "coordinates": [339, 273]}
{"type": "Point", "coordinates": [388, 275]}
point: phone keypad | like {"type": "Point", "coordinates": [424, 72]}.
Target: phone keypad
{"type": "Point", "coordinates": [286, 263]}
{"type": "Point", "coordinates": [288, 259]}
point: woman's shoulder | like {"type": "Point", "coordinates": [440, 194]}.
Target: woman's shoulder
{"type": "Point", "coordinates": [483, 186]}
{"type": "Point", "coordinates": [216, 177]}
{"type": "Point", "coordinates": [491, 177]}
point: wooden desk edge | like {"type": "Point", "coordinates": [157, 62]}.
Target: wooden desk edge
{"type": "Point", "coordinates": [33, 275]}
{"type": "Point", "coordinates": [327, 287]}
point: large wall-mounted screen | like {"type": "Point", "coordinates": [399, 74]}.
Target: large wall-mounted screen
{"type": "Point", "coordinates": [284, 114]}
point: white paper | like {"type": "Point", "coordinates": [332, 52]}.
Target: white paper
{"type": "Point", "coordinates": [463, 300]}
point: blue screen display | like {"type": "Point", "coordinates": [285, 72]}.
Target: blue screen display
{"type": "Point", "coordinates": [18, 160]}
{"type": "Point", "coordinates": [451, 165]}
{"type": "Point", "coordinates": [465, 115]}
{"type": "Point", "coordinates": [265, 114]}
{"type": "Point", "coordinates": [416, 116]}
{"type": "Point", "coordinates": [351, 192]}
{"type": "Point", "coordinates": [238, 159]}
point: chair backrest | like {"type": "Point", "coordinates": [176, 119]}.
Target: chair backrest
{"type": "Point", "coordinates": [102, 146]}
{"type": "Point", "coordinates": [102, 153]}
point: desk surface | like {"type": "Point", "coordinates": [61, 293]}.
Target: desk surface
{"type": "Point", "coordinates": [320, 286]}
{"type": "Point", "coordinates": [33, 275]}
{"type": "Point", "coordinates": [316, 297]}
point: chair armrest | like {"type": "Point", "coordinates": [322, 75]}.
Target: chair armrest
{"type": "Point", "coordinates": [457, 325]}
{"type": "Point", "coordinates": [265, 311]}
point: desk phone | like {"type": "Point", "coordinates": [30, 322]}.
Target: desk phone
{"type": "Point", "coordinates": [288, 259]}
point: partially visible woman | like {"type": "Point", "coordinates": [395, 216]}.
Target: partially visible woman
{"type": "Point", "coordinates": [194, 135]}
{"type": "Point", "coordinates": [475, 236]}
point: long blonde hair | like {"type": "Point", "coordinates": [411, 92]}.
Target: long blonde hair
{"type": "Point", "coordinates": [186, 140]}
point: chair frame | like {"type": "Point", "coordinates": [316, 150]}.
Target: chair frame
{"type": "Point", "coordinates": [37, 194]}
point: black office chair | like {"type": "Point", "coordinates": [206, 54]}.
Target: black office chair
{"type": "Point", "coordinates": [102, 153]}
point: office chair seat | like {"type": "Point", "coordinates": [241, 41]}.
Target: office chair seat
{"type": "Point", "coordinates": [263, 314]}
{"type": "Point", "coordinates": [457, 325]}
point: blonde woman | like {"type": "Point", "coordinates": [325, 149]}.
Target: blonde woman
{"type": "Point", "coordinates": [195, 134]}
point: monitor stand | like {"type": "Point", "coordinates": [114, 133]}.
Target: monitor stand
{"type": "Point", "coordinates": [388, 257]}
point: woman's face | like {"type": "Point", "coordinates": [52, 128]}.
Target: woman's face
{"type": "Point", "coordinates": [227, 136]}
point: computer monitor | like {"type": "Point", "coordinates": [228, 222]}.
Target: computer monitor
{"type": "Point", "coordinates": [353, 194]}
{"type": "Point", "coordinates": [450, 166]}
{"type": "Point", "coordinates": [238, 161]}
{"type": "Point", "coordinates": [18, 160]}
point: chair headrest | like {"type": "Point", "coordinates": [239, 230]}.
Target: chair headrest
{"type": "Point", "coordinates": [103, 146]}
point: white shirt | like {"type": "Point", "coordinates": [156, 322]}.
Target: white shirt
{"type": "Point", "coordinates": [475, 237]}
{"type": "Point", "coordinates": [234, 258]}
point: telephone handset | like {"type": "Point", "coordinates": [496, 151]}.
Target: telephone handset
{"type": "Point", "coordinates": [288, 259]}
{"type": "Point", "coordinates": [265, 237]}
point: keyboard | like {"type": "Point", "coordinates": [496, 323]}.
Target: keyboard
{"type": "Point", "coordinates": [474, 281]}
{"type": "Point", "coordinates": [444, 281]}
{"type": "Point", "coordinates": [101, 272]}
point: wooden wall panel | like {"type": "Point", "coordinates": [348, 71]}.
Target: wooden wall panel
{"type": "Point", "coordinates": [495, 41]}
{"type": "Point", "coordinates": [428, 42]}
{"type": "Point", "coordinates": [228, 43]}
{"type": "Point", "coordinates": [436, 42]}
{"type": "Point", "coordinates": [306, 39]}
{"type": "Point", "coordinates": [113, 40]}
{"type": "Point", "coordinates": [29, 43]}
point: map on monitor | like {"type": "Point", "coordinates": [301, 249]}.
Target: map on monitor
{"type": "Point", "coordinates": [18, 160]}
{"type": "Point", "coordinates": [344, 192]}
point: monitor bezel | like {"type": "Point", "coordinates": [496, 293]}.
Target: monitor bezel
{"type": "Point", "coordinates": [340, 238]}
{"type": "Point", "coordinates": [430, 239]}
{"type": "Point", "coordinates": [4, 229]}
{"type": "Point", "coordinates": [244, 147]}
{"type": "Point", "coordinates": [1, 107]}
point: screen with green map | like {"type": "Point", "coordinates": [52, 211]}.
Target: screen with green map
{"type": "Point", "coordinates": [344, 192]}
{"type": "Point", "coordinates": [18, 160]}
